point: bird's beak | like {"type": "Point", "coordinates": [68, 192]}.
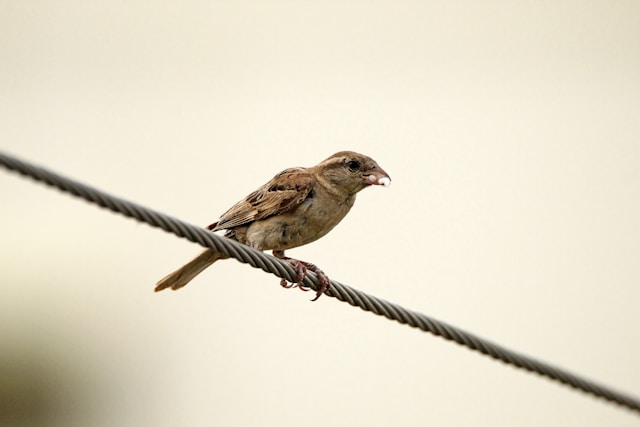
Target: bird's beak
{"type": "Point", "coordinates": [377, 176]}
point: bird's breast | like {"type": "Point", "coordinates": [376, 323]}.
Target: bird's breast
{"type": "Point", "coordinates": [307, 222]}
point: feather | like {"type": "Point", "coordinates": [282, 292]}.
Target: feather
{"type": "Point", "coordinates": [281, 194]}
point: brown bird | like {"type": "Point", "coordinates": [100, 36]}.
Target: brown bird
{"type": "Point", "coordinates": [298, 206]}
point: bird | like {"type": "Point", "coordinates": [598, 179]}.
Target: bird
{"type": "Point", "coordinates": [296, 207]}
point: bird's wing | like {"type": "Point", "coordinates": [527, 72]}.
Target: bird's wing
{"type": "Point", "coordinates": [284, 192]}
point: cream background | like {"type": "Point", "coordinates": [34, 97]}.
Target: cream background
{"type": "Point", "coordinates": [510, 129]}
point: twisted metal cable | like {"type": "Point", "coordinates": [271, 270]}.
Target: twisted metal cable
{"type": "Point", "coordinates": [338, 290]}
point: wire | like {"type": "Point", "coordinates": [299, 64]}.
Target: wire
{"type": "Point", "coordinates": [338, 290]}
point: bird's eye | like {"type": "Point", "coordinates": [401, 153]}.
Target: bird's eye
{"type": "Point", "coordinates": [353, 165]}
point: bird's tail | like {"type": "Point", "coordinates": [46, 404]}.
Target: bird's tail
{"type": "Point", "coordinates": [187, 272]}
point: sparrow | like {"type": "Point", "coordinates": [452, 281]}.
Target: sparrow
{"type": "Point", "coordinates": [298, 206]}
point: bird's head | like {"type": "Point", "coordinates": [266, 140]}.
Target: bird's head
{"type": "Point", "coordinates": [351, 172]}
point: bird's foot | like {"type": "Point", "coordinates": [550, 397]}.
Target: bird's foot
{"type": "Point", "coordinates": [323, 280]}
{"type": "Point", "coordinates": [301, 272]}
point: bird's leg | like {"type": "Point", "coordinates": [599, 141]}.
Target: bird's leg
{"type": "Point", "coordinates": [301, 269]}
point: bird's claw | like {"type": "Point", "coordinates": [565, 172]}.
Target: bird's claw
{"type": "Point", "coordinates": [286, 284]}
{"type": "Point", "coordinates": [323, 281]}
{"type": "Point", "coordinates": [301, 272]}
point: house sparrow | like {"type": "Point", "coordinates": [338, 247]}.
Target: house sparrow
{"type": "Point", "coordinates": [298, 206]}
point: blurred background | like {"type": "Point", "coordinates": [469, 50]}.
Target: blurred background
{"type": "Point", "coordinates": [511, 131]}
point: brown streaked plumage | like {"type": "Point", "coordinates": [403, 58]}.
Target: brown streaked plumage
{"type": "Point", "coordinates": [296, 207]}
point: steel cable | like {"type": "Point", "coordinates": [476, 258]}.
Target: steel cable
{"type": "Point", "coordinates": [338, 290]}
